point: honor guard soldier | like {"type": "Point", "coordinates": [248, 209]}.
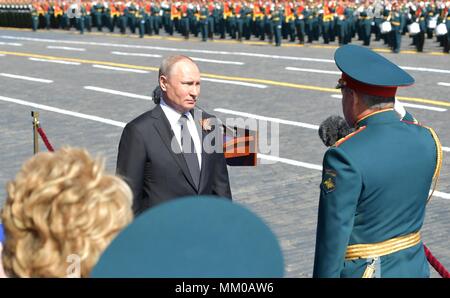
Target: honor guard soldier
{"type": "Point", "coordinates": [131, 16]}
{"type": "Point", "coordinates": [203, 20]}
{"type": "Point", "coordinates": [373, 195]}
{"type": "Point", "coordinates": [327, 20]}
{"type": "Point", "coordinates": [349, 22]}
{"type": "Point", "coordinates": [123, 11]}
{"type": "Point", "coordinates": [225, 27]}
{"type": "Point", "coordinates": [315, 22]}
{"type": "Point", "coordinates": [396, 36]}
{"type": "Point", "coordinates": [289, 21]}
{"type": "Point", "coordinates": [366, 19]}
{"type": "Point", "coordinates": [277, 17]}
{"type": "Point", "coordinates": [445, 19]}
{"type": "Point", "coordinates": [81, 20]}
{"type": "Point", "coordinates": [140, 19]}
{"type": "Point", "coordinates": [35, 9]}
{"type": "Point", "coordinates": [431, 19]}
{"type": "Point", "coordinates": [88, 17]}
{"type": "Point", "coordinates": [65, 21]}
{"type": "Point", "coordinates": [111, 16]}
{"type": "Point", "coordinates": [211, 21]}
{"type": "Point", "coordinates": [268, 20]}
{"type": "Point", "coordinates": [300, 22]}
{"type": "Point", "coordinates": [237, 11]}
{"type": "Point", "coordinates": [48, 11]}
{"type": "Point", "coordinates": [258, 20]}
{"type": "Point", "coordinates": [341, 24]}
{"type": "Point", "coordinates": [175, 17]}
{"type": "Point", "coordinates": [148, 18]}
{"type": "Point", "coordinates": [156, 14]}
{"type": "Point", "coordinates": [184, 23]}
{"type": "Point", "coordinates": [97, 10]}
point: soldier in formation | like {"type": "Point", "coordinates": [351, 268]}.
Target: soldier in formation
{"type": "Point", "coordinates": [310, 21]}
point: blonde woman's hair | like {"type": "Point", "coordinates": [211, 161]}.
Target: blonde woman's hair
{"type": "Point", "coordinates": [61, 204]}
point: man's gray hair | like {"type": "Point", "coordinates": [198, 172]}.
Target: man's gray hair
{"type": "Point", "coordinates": [374, 102]}
{"type": "Point", "coordinates": [168, 63]}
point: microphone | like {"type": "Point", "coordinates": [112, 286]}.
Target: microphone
{"type": "Point", "coordinates": [157, 95]}
{"type": "Point", "coordinates": [332, 129]}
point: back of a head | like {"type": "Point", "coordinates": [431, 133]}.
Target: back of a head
{"type": "Point", "coordinates": [194, 237]}
{"type": "Point", "coordinates": [61, 205]}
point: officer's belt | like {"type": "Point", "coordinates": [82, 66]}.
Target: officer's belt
{"type": "Point", "coordinates": [365, 251]}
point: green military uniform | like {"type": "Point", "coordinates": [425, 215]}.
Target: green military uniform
{"type": "Point", "coordinates": [277, 17]}
{"type": "Point", "coordinates": [375, 183]}
{"type": "Point", "coordinates": [109, 18]}
{"type": "Point", "coordinates": [131, 17]}
{"type": "Point", "coordinates": [246, 14]}
{"type": "Point", "coordinates": [300, 25]}
{"type": "Point", "coordinates": [184, 22]}
{"type": "Point", "coordinates": [349, 24]}
{"type": "Point", "coordinates": [203, 21]}
{"type": "Point", "coordinates": [98, 10]}
{"type": "Point", "coordinates": [366, 18]}
{"type": "Point", "coordinates": [193, 20]}
{"type": "Point", "coordinates": [82, 19]}
{"type": "Point", "coordinates": [140, 21]}
{"type": "Point", "coordinates": [34, 18]}
{"type": "Point", "coordinates": [156, 17]}
{"type": "Point", "coordinates": [211, 21]}
{"type": "Point", "coordinates": [396, 27]}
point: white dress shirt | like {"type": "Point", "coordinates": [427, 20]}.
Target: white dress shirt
{"type": "Point", "coordinates": [174, 120]}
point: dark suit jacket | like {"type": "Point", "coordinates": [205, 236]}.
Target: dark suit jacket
{"type": "Point", "coordinates": [155, 173]}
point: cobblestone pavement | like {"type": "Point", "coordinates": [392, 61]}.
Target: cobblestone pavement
{"type": "Point", "coordinates": [285, 194]}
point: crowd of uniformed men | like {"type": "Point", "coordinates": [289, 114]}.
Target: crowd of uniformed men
{"type": "Point", "coordinates": [295, 21]}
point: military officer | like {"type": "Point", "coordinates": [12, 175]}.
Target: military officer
{"type": "Point", "coordinates": [211, 19]}
{"type": "Point", "coordinates": [88, 17]}
{"type": "Point", "coordinates": [327, 19]}
{"type": "Point", "coordinates": [131, 16]}
{"type": "Point", "coordinates": [300, 22]}
{"type": "Point", "coordinates": [277, 17]}
{"type": "Point", "coordinates": [396, 25]}
{"type": "Point", "coordinates": [239, 16]}
{"type": "Point", "coordinates": [288, 21]}
{"type": "Point", "coordinates": [203, 20]}
{"type": "Point", "coordinates": [446, 20]}
{"type": "Point", "coordinates": [156, 14]}
{"type": "Point", "coordinates": [81, 19]}
{"type": "Point", "coordinates": [98, 8]}
{"type": "Point", "coordinates": [184, 23]}
{"type": "Point", "coordinates": [258, 20]}
{"type": "Point", "coordinates": [35, 16]}
{"type": "Point", "coordinates": [373, 195]}
{"type": "Point", "coordinates": [48, 11]}
{"type": "Point", "coordinates": [140, 20]}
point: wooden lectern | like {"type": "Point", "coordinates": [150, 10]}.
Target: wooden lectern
{"type": "Point", "coordinates": [240, 146]}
